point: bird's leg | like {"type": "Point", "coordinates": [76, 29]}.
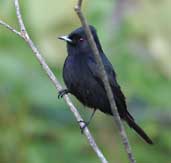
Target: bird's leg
{"type": "Point", "coordinates": [88, 122]}
{"type": "Point", "coordinates": [62, 93]}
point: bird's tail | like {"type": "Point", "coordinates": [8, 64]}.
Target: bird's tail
{"type": "Point", "coordinates": [139, 131]}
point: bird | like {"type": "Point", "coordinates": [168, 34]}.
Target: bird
{"type": "Point", "coordinates": [82, 78]}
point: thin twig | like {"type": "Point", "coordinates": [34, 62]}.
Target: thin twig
{"type": "Point", "coordinates": [24, 34]}
{"type": "Point", "coordinates": [19, 17]}
{"type": "Point", "coordinates": [105, 80]}
{"type": "Point", "coordinates": [9, 27]}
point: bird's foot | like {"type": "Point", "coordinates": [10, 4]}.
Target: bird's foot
{"type": "Point", "coordinates": [84, 126]}
{"type": "Point", "coordinates": [62, 93]}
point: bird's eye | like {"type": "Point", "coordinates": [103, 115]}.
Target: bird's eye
{"type": "Point", "coordinates": [81, 39]}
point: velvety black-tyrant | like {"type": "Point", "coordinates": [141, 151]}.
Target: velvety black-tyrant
{"type": "Point", "coordinates": [82, 78]}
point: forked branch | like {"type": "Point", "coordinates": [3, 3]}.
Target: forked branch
{"type": "Point", "coordinates": [24, 35]}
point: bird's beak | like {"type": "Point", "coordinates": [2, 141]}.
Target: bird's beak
{"type": "Point", "coordinates": [65, 38]}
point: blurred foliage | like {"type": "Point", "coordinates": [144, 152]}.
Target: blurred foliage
{"type": "Point", "coordinates": [36, 127]}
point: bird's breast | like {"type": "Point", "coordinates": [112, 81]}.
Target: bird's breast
{"type": "Point", "coordinates": [81, 83]}
{"type": "Point", "coordinates": [75, 72]}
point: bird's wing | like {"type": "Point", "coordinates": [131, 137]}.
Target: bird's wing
{"type": "Point", "coordinates": [117, 93]}
{"type": "Point", "coordinates": [93, 67]}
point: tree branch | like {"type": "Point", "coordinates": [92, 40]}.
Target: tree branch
{"type": "Point", "coordinates": [10, 28]}
{"type": "Point", "coordinates": [19, 17]}
{"type": "Point", "coordinates": [24, 34]}
{"type": "Point", "coordinates": [105, 80]}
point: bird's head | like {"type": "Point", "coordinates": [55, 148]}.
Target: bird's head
{"type": "Point", "coordinates": [77, 42]}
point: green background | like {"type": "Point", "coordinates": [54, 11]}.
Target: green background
{"type": "Point", "coordinates": [36, 127]}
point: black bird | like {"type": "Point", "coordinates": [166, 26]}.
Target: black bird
{"type": "Point", "coordinates": [81, 76]}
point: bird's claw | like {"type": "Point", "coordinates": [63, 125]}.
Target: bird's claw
{"type": "Point", "coordinates": [62, 93]}
{"type": "Point", "coordinates": [84, 126]}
